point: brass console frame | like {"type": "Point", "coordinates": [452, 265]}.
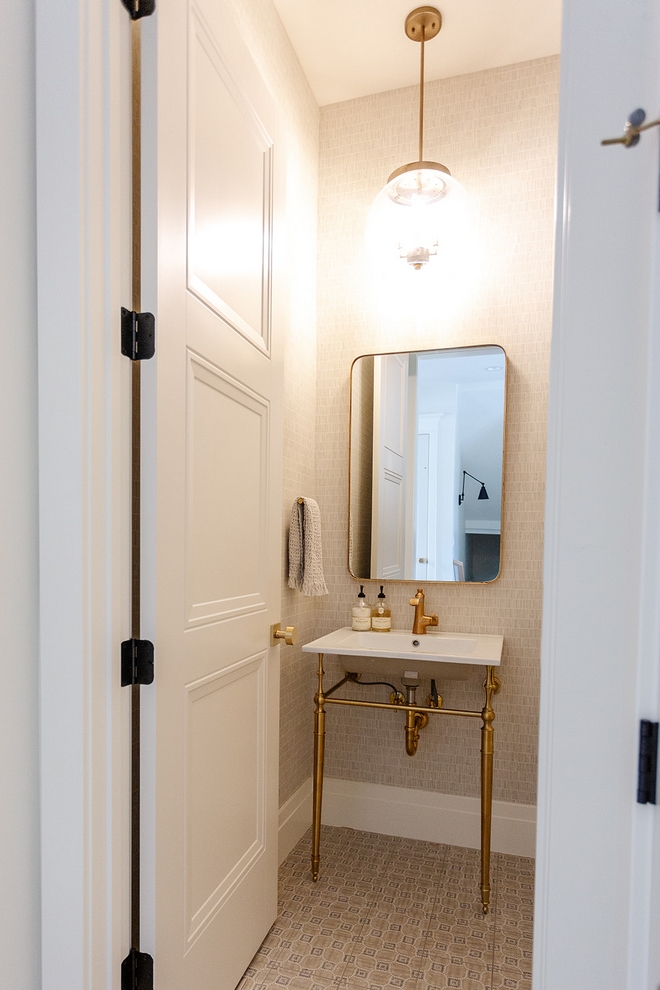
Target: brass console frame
{"type": "Point", "coordinates": [487, 716]}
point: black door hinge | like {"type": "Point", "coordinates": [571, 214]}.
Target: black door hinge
{"type": "Point", "coordinates": [138, 335]}
{"type": "Point", "coordinates": [137, 662]}
{"type": "Point", "coordinates": [137, 971]}
{"type": "Point", "coordinates": [648, 762]}
{"type": "Point", "coordinates": [139, 8]}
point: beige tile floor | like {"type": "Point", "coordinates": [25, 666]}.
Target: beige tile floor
{"type": "Point", "coordinates": [392, 912]}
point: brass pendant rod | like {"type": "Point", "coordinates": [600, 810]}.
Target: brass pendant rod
{"type": "Point", "coordinates": [136, 291]}
{"type": "Point", "coordinates": [421, 96]}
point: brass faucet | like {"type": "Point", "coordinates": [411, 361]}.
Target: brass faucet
{"type": "Point", "coordinates": [421, 621]}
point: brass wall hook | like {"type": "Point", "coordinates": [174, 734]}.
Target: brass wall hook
{"type": "Point", "coordinates": [633, 128]}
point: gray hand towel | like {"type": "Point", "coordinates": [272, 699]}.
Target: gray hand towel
{"type": "Point", "coordinates": [305, 550]}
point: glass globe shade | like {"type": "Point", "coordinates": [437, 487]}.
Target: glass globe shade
{"type": "Point", "coordinates": [415, 217]}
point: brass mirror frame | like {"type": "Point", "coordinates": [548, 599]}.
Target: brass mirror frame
{"type": "Point", "coordinates": [428, 350]}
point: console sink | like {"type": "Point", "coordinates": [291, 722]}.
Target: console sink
{"type": "Point", "coordinates": [399, 653]}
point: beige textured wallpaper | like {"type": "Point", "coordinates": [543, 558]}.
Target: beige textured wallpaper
{"type": "Point", "coordinates": [496, 131]}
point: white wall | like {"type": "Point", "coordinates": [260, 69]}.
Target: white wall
{"type": "Point", "coordinates": [19, 807]}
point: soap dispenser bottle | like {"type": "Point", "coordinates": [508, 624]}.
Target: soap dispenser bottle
{"type": "Point", "coordinates": [381, 616]}
{"type": "Point", "coordinates": [361, 613]}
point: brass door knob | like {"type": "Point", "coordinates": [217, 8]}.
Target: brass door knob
{"type": "Point", "coordinates": [289, 635]}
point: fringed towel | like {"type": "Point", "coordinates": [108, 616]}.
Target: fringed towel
{"type": "Point", "coordinates": [305, 551]}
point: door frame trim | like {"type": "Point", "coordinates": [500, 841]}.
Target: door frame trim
{"type": "Point", "coordinates": [83, 404]}
{"type": "Point", "coordinates": [597, 679]}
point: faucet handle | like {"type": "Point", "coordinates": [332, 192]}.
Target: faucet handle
{"type": "Point", "coordinates": [419, 597]}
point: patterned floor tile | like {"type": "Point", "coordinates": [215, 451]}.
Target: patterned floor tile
{"type": "Point", "coordinates": [512, 979]}
{"type": "Point", "coordinates": [389, 913]}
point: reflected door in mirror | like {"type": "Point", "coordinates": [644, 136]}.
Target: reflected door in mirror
{"type": "Point", "coordinates": [425, 494]}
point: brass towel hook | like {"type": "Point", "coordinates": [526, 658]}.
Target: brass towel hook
{"type": "Point", "coordinates": [634, 127]}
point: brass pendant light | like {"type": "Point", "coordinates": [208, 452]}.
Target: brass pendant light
{"type": "Point", "coordinates": [415, 191]}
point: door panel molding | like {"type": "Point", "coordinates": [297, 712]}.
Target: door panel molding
{"type": "Point", "coordinates": [198, 918]}
{"type": "Point", "coordinates": [234, 444]}
{"type": "Point", "coordinates": [232, 238]}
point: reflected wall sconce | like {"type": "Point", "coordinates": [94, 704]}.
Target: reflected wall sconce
{"type": "Point", "coordinates": [410, 211]}
{"type": "Point", "coordinates": [482, 492]}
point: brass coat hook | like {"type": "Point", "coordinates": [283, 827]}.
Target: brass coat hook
{"type": "Point", "coordinates": [634, 127]}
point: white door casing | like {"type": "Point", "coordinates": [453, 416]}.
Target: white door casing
{"type": "Point", "coordinates": [422, 540]}
{"type": "Point", "coordinates": [388, 512]}
{"type": "Point", "coordinates": [601, 640]}
{"type": "Point", "coordinates": [212, 416]}
{"type": "Point", "coordinates": [83, 611]}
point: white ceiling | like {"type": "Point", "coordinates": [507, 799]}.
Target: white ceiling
{"type": "Point", "coordinates": [351, 48]}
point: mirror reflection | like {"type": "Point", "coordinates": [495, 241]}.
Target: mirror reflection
{"type": "Point", "coordinates": [426, 452]}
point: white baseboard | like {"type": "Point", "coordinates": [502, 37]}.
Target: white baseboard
{"type": "Point", "coordinates": [410, 813]}
{"type": "Point", "coordinates": [426, 815]}
{"type": "Point", "coordinates": [295, 818]}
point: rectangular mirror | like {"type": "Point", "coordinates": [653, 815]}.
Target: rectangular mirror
{"type": "Point", "coordinates": [426, 452]}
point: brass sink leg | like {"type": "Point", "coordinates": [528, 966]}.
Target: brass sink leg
{"type": "Point", "coordinates": [319, 752]}
{"type": "Point", "coordinates": [491, 686]}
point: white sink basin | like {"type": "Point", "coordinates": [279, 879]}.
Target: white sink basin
{"type": "Point", "coordinates": [400, 653]}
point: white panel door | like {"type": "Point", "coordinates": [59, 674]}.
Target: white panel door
{"type": "Point", "coordinates": [212, 417]}
{"type": "Point", "coordinates": [389, 466]}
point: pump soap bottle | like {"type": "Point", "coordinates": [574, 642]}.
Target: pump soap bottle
{"type": "Point", "coordinates": [381, 616]}
{"type": "Point", "coordinates": [361, 613]}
